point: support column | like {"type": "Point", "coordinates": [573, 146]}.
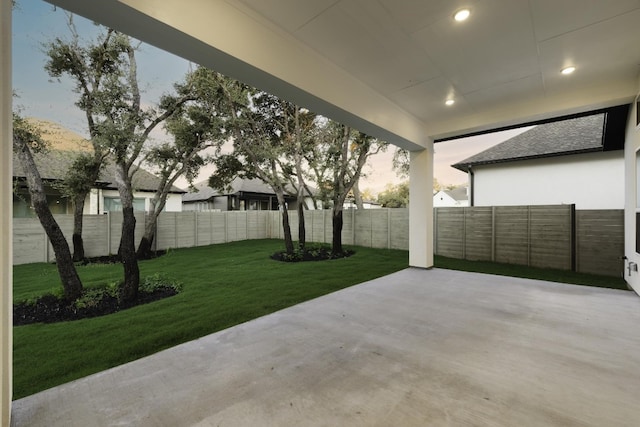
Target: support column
{"type": "Point", "coordinates": [6, 201]}
{"type": "Point", "coordinates": [632, 199]}
{"type": "Point", "coordinates": [421, 208]}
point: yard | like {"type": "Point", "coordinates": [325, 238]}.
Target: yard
{"type": "Point", "coordinates": [223, 285]}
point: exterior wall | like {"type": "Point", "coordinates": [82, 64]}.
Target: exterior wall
{"type": "Point", "coordinates": [95, 202]}
{"type": "Point", "coordinates": [6, 223]}
{"type": "Point", "coordinates": [590, 181]}
{"type": "Point", "coordinates": [632, 196]}
{"type": "Point", "coordinates": [442, 199]}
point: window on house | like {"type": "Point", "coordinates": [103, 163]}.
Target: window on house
{"type": "Point", "coordinates": [57, 205]}
{"type": "Point", "coordinates": [113, 204]}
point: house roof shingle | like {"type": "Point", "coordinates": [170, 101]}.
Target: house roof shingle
{"type": "Point", "coordinates": [572, 136]}
{"type": "Point", "coordinates": [65, 147]}
{"type": "Point", "coordinates": [238, 185]}
{"type": "Point", "coordinates": [459, 194]}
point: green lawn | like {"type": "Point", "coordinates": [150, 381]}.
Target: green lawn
{"type": "Point", "coordinates": [513, 270]}
{"type": "Point", "coordinates": [223, 285]}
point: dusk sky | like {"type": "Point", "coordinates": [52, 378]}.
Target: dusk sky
{"type": "Point", "coordinates": [36, 22]}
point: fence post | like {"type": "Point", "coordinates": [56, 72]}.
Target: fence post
{"type": "Point", "coordinates": [46, 247]}
{"type": "Point", "coordinates": [226, 226]}
{"type": "Point", "coordinates": [464, 233]}
{"type": "Point", "coordinates": [493, 233]}
{"type": "Point", "coordinates": [353, 226]}
{"type": "Point", "coordinates": [573, 240]}
{"type": "Point", "coordinates": [109, 233]}
{"type": "Point", "coordinates": [388, 228]}
{"type": "Point", "coordinates": [195, 228]}
{"type": "Point", "coordinates": [435, 230]}
{"type": "Point", "coordinates": [528, 236]}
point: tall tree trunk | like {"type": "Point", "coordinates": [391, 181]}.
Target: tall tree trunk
{"type": "Point", "coordinates": [357, 195]}
{"type": "Point", "coordinates": [66, 269]}
{"type": "Point", "coordinates": [129, 291]}
{"type": "Point", "coordinates": [157, 205]}
{"type": "Point", "coordinates": [337, 222]}
{"type": "Point", "coordinates": [78, 243]}
{"type": "Point", "coordinates": [144, 247]}
{"type": "Point", "coordinates": [302, 237]}
{"type": "Point", "coordinates": [288, 241]}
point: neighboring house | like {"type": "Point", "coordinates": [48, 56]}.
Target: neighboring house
{"type": "Point", "coordinates": [242, 195]}
{"type": "Point", "coordinates": [576, 161]}
{"type": "Point", "coordinates": [104, 197]}
{"type": "Point", "coordinates": [366, 204]}
{"type": "Point", "coordinates": [450, 198]}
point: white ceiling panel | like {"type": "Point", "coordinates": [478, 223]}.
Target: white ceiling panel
{"type": "Point", "coordinates": [597, 58]}
{"type": "Point", "coordinates": [414, 15]}
{"type": "Point", "coordinates": [552, 18]}
{"type": "Point", "coordinates": [289, 14]}
{"type": "Point", "coordinates": [529, 87]}
{"type": "Point", "coordinates": [426, 100]}
{"type": "Point", "coordinates": [478, 54]}
{"type": "Point", "coordinates": [367, 44]}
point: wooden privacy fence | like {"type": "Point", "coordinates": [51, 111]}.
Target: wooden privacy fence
{"type": "Point", "coordinates": [589, 241]}
{"type": "Point", "coordinates": [380, 228]}
{"type": "Point", "coordinates": [542, 236]}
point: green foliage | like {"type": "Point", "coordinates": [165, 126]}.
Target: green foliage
{"type": "Point", "coordinates": [158, 281]}
{"type": "Point", "coordinates": [395, 196]}
{"type": "Point", "coordinates": [400, 162]}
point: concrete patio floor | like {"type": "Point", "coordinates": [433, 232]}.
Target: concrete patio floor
{"type": "Point", "coordinates": [416, 348]}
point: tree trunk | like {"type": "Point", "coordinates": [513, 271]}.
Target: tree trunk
{"type": "Point", "coordinates": [144, 248]}
{"type": "Point", "coordinates": [357, 195]}
{"type": "Point", "coordinates": [127, 251]}
{"type": "Point", "coordinates": [66, 269]}
{"type": "Point", "coordinates": [128, 256]}
{"type": "Point", "coordinates": [288, 241]}
{"type": "Point", "coordinates": [336, 241]}
{"type": "Point", "coordinates": [302, 237]}
{"type": "Point", "coordinates": [78, 243]}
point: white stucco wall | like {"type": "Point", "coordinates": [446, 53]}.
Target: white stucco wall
{"type": "Point", "coordinates": [591, 181]}
{"type": "Point", "coordinates": [442, 199]}
{"type": "Point", "coordinates": [632, 187]}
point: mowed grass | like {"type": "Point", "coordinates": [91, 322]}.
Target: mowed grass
{"type": "Point", "coordinates": [513, 270]}
{"type": "Point", "coordinates": [223, 285]}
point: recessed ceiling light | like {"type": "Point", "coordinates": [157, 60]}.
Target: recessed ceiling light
{"type": "Point", "coordinates": [568, 70]}
{"type": "Point", "coordinates": [450, 102]}
{"type": "Point", "coordinates": [462, 15]}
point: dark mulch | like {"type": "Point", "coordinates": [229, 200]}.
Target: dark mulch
{"type": "Point", "coordinates": [50, 309]}
{"type": "Point", "coordinates": [311, 254]}
{"type": "Point", "coordinates": [115, 259]}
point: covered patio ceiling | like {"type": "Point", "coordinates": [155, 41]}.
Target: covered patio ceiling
{"type": "Point", "coordinates": [387, 67]}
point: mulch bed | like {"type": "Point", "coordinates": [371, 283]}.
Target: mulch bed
{"type": "Point", "coordinates": [51, 309]}
{"type": "Point", "coordinates": [311, 254]}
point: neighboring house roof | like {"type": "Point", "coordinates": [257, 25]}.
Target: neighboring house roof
{"type": "Point", "coordinates": [458, 194]}
{"type": "Point", "coordinates": [572, 136]}
{"type": "Point", "coordinates": [238, 185]}
{"type": "Point", "coordinates": [65, 147]}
